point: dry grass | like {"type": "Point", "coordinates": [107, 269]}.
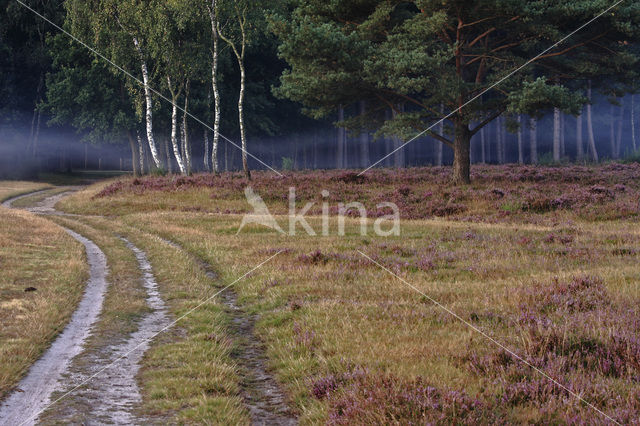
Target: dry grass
{"type": "Point", "coordinates": [323, 318]}
{"type": "Point", "coordinates": [34, 253]}
{"type": "Point", "coordinates": [9, 189]}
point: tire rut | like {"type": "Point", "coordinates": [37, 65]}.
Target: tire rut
{"type": "Point", "coordinates": [33, 394]}
{"type": "Point", "coordinates": [262, 396]}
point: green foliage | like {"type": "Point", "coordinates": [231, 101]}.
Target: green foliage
{"type": "Point", "coordinates": [413, 56]}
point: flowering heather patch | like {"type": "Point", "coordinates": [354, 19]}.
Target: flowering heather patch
{"type": "Point", "coordinates": [577, 334]}
{"type": "Point", "coordinates": [498, 193]}
{"type": "Point", "coordinates": [359, 397]}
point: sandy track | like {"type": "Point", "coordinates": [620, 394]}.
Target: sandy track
{"type": "Point", "coordinates": [110, 392]}
{"type": "Point", "coordinates": [34, 391]}
{"type": "Point", "coordinates": [102, 381]}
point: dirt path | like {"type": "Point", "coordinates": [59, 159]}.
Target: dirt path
{"type": "Point", "coordinates": [111, 394]}
{"type": "Point", "coordinates": [263, 397]}
{"type": "Point", "coordinates": [108, 393]}
{"type": "Point", "coordinates": [34, 391]}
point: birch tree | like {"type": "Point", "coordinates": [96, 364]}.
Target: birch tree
{"type": "Point", "coordinates": [235, 34]}
{"type": "Point", "coordinates": [215, 53]}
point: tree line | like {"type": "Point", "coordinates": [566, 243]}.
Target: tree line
{"type": "Point", "coordinates": [381, 71]}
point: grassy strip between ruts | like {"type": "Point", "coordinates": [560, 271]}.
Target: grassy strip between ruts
{"type": "Point", "coordinates": [42, 275]}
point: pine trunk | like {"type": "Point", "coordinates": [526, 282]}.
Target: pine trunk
{"type": "Point", "coordinates": [612, 131]}
{"type": "Point", "coordinates": [140, 152]}
{"type": "Point", "coordinates": [134, 154]}
{"type": "Point", "coordinates": [398, 156]}
{"type": "Point", "coordinates": [633, 122]}
{"type": "Point", "coordinates": [167, 154]}
{"type": "Point", "coordinates": [533, 140]}
{"type": "Point", "coordinates": [556, 135]}
{"type": "Point", "coordinates": [592, 141]}
{"type": "Point", "coordinates": [499, 144]}
{"type": "Point", "coordinates": [563, 147]}
{"type": "Point", "coordinates": [341, 142]}
{"type": "Point", "coordinates": [483, 146]}
{"type": "Point", "coordinates": [520, 141]}
{"type": "Point", "coordinates": [364, 138]}
{"type": "Point", "coordinates": [461, 154]}
{"type": "Point", "coordinates": [206, 151]}
{"type": "Point", "coordinates": [439, 145]}
{"type": "Point", "coordinates": [620, 128]}
{"type": "Point", "coordinates": [579, 141]}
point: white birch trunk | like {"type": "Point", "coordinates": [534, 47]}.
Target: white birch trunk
{"type": "Point", "coordinates": [243, 133]}
{"type": "Point", "coordinates": [240, 54]}
{"type": "Point", "coordinates": [174, 129]}
{"type": "Point", "coordinates": [186, 143]}
{"type": "Point", "coordinates": [149, 105]}
{"type": "Point", "coordinates": [214, 82]}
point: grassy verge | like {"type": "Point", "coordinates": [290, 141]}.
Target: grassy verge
{"type": "Point", "coordinates": [10, 189]}
{"type": "Point", "coordinates": [34, 254]}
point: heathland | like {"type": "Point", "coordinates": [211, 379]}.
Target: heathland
{"type": "Point", "coordinates": [534, 271]}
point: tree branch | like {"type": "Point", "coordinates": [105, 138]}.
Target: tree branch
{"type": "Point", "coordinates": [487, 121]}
{"type": "Point", "coordinates": [440, 138]}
